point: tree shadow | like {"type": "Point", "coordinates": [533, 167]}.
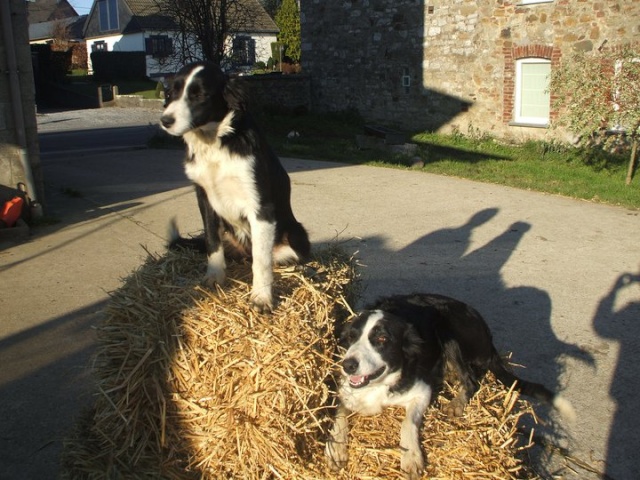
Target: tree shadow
{"type": "Point", "coordinates": [437, 153]}
{"type": "Point", "coordinates": [621, 324]}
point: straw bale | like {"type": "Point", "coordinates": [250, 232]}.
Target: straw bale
{"type": "Point", "coordinates": [485, 443]}
{"type": "Point", "coordinates": [195, 384]}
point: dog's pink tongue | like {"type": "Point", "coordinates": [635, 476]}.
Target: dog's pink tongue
{"type": "Point", "coordinates": [356, 379]}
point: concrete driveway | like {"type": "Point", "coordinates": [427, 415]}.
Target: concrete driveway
{"type": "Point", "coordinates": [558, 280]}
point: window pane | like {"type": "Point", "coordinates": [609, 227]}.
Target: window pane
{"type": "Point", "coordinates": [113, 14]}
{"type": "Point", "coordinates": [103, 15]}
{"type": "Point", "coordinates": [534, 98]}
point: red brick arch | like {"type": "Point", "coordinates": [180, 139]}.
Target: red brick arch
{"type": "Point", "coordinates": [513, 53]}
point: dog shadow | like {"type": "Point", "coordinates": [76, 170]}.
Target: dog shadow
{"type": "Point", "coordinates": [621, 325]}
{"type": "Point", "coordinates": [519, 317]}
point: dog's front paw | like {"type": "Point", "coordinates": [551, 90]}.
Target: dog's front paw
{"type": "Point", "coordinates": [261, 307]}
{"type": "Point", "coordinates": [337, 455]}
{"type": "Point", "coordinates": [412, 464]}
{"type": "Point", "coordinates": [216, 270]}
{"type": "Point", "coordinates": [214, 277]}
{"type": "Point", "coordinates": [261, 301]}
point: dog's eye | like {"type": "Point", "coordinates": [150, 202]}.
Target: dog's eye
{"type": "Point", "coordinates": [381, 339]}
{"type": "Point", "coordinates": [199, 96]}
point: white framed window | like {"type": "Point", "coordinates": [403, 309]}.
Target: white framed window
{"type": "Point", "coordinates": [532, 98]}
{"type": "Point", "coordinates": [159, 46]}
{"type": "Point", "coordinates": [108, 15]}
{"type": "Point", "coordinates": [244, 50]}
{"type": "Point", "coordinates": [99, 46]}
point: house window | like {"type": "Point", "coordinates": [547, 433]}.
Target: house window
{"type": "Point", "coordinates": [99, 46]}
{"type": "Point", "coordinates": [108, 14]}
{"type": "Point", "coordinates": [244, 51]}
{"type": "Point", "coordinates": [159, 46]}
{"type": "Point", "coordinates": [532, 98]}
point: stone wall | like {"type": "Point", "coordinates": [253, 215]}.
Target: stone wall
{"type": "Point", "coordinates": [18, 126]}
{"type": "Point", "coordinates": [445, 64]}
{"type": "Point", "coordinates": [282, 93]}
{"type": "Point", "coordinates": [286, 93]}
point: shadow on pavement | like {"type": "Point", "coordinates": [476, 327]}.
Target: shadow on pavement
{"type": "Point", "coordinates": [622, 324]}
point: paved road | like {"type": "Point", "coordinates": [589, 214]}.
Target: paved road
{"type": "Point", "coordinates": [79, 132]}
{"type": "Point", "coordinates": [93, 118]}
{"type": "Point", "coordinates": [557, 280]}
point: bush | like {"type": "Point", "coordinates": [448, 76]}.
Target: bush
{"type": "Point", "coordinates": [159, 90]}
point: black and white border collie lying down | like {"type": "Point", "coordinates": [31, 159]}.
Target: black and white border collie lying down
{"type": "Point", "coordinates": [400, 351]}
{"type": "Point", "coordinates": [242, 189]}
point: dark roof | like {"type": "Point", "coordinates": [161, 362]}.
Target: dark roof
{"type": "Point", "coordinates": [146, 17]}
{"type": "Point", "coordinates": [39, 11]}
{"type": "Point", "coordinates": [261, 21]}
{"type": "Point", "coordinates": [43, 30]}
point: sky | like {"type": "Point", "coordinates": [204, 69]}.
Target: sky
{"type": "Point", "coordinates": [81, 6]}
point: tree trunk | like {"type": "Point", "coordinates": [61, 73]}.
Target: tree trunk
{"type": "Point", "coordinates": [632, 160]}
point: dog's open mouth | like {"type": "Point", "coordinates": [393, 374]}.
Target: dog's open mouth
{"type": "Point", "coordinates": [359, 381]}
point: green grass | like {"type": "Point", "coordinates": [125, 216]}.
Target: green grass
{"type": "Point", "coordinates": [539, 166]}
{"type": "Point", "coordinates": [328, 136]}
{"type": "Point", "coordinates": [145, 88]}
{"type": "Point", "coordinates": [79, 81]}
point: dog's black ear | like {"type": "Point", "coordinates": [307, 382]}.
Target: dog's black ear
{"type": "Point", "coordinates": [411, 343]}
{"type": "Point", "coordinates": [236, 95]}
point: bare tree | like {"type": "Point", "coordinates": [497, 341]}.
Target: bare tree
{"type": "Point", "coordinates": [203, 28]}
{"type": "Point", "coordinates": [60, 33]}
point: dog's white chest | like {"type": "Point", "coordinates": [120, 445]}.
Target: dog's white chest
{"type": "Point", "coordinates": [372, 399]}
{"type": "Point", "coordinates": [227, 179]}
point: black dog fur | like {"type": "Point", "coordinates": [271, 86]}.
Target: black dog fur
{"type": "Point", "coordinates": [400, 350]}
{"type": "Point", "coordinates": [243, 191]}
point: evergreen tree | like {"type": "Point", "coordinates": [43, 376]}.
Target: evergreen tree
{"type": "Point", "coordinates": [288, 21]}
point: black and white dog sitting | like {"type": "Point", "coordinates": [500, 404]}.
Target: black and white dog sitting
{"type": "Point", "coordinates": [399, 352]}
{"type": "Point", "coordinates": [242, 189]}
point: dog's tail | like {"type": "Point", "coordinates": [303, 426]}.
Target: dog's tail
{"type": "Point", "coordinates": [532, 389]}
{"type": "Point", "coordinates": [176, 241]}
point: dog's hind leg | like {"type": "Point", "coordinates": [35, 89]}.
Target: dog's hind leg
{"type": "Point", "coordinates": [456, 370]}
{"type": "Point", "coordinates": [336, 449]}
{"type": "Point", "coordinates": [412, 461]}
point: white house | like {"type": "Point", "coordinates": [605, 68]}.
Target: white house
{"type": "Point", "coordinates": [137, 26]}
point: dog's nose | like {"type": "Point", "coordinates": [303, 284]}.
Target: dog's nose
{"type": "Point", "coordinates": [167, 121]}
{"type": "Point", "coordinates": [350, 365]}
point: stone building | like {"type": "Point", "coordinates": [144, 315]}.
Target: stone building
{"type": "Point", "coordinates": [444, 65]}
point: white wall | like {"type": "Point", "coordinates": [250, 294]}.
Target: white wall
{"type": "Point", "coordinates": [136, 43]}
{"type": "Point", "coordinates": [263, 46]}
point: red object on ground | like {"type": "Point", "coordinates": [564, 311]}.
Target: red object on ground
{"type": "Point", "coordinates": [11, 211]}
